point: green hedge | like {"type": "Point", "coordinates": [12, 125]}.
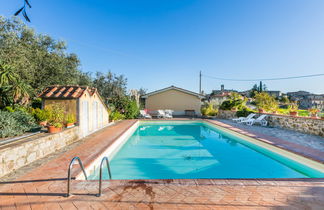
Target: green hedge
{"type": "Point", "coordinates": [15, 123]}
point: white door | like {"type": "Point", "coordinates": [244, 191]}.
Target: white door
{"type": "Point", "coordinates": [100, 116]}
{"type": "Point", "coordinates": [85, 118]}
{"type": "Point", "coordinates": [95, 115]}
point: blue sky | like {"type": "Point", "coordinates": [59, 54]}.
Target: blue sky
{"type": "Point", "coordinates": [158, 43]}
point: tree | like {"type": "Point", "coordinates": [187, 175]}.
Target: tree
{"type": "Point", "coordinates": [12, 89]}
{"type": "Point", "coordinates": [38, 59]}
{"type": "Point", "coordinates": [265, 101]}
{"type": "Point", "coordinates": [110, 85]}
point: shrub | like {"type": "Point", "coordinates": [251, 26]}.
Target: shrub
{"type": "Point", "coordinates": [115, 115]}
{"type": "Point", "coordinates": [15, 123]}
{"type": "Point", "coordinates": [41, 115]}
{"type": "Point", "coordinates": [125, 106]}
{"type": "Point", "coordinates": [56, 115]}
{"type": "Point", "coordinates": [293, 107]}
{"type": "Point", "coordinates": [234, 100]}
{"type": "Point", "coordinates": [265, 101]}
{"type": "Point", "coordinates": [70, 118]}
{"type": "Point", "coordinates": [209, 110]}
{"type": "Point", "coordinates": [244, 112]}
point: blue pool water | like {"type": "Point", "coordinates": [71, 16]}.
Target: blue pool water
{"type": "Point", "coordinates": [197, 150]}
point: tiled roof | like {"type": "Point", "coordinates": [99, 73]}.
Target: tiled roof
{"type": "Point", "coordinates": [65, 91]}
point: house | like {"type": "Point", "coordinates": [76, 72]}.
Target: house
{"type": "Point", "coordinates": [181, 101]}
{"type": "Point", "coordinates": [85, 102]}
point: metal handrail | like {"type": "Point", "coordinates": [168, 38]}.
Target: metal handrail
{"type": "Point", "coordinates": [69, 174]}
{"type": "Point", "coordinates": [104, 159]}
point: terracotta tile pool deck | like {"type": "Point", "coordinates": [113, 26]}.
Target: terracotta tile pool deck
{"type": "Point", "coordinates": [45, 186]}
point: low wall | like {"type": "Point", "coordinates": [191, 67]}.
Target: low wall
{"type": "Point", "coordinates": [22, 153]}
{"type": "Point", "coordinates": [226, 114]}
{"type": "Point", "coordinates": [301, 124]}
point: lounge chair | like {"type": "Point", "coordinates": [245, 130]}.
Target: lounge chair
{"type": "Point", "coordinates": [161, 114]}
{"type": "Point", "coordinates": [240, 119]}
{"type": "Point", "coordinates": [261, 120]}
{"type": "Point", "coordinates": [143, 114]}
{"type": "Point", "coordinates": [168, 113]}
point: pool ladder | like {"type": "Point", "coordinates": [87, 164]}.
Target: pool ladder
{"type": "Point", "coordinates": [103, 160]}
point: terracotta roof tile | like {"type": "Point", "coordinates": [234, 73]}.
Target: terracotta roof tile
{"type": "Point", "coordinates": [65, 91]}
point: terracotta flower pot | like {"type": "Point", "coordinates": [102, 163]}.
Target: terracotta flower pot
{"type": "Point", "coordinates": [322, 117]}
{"type": "Point", "coordinates": [69, 125]}
{"type": "Point", "coordinates": [261, 110]}
{"type": "Point", "coordinates": [293, 113]}
{"type": "Point", "coordinates": [53, 129]}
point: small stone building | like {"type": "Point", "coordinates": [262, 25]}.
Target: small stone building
{"type": "Point", "coordinates": [85, 102]}
{"type": "Point", "coordinates": [181, 101]}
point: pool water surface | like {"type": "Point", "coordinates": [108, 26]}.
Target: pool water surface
{"type": "Point", "coordinates": [168, 150]}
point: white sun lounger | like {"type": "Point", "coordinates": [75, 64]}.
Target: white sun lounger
{"type": "Point", "coordinates": [143, 114]}
{"type": "Point", "coordinates": [162, 114]}
{"type": "Point", "coordinates": [240, 119]}
{"type": "Point", "coordinates": [261, 120]}
{"type": "Point", "coordinates": [168, 113]}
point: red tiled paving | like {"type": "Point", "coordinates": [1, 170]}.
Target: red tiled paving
{"type": "Point", "coordinates": [44, 187]}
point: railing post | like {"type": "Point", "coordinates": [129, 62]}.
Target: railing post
{"type": "Point", "coordinates": [69, 174]}
{"type": "Point", "coordinates": [104, 159]}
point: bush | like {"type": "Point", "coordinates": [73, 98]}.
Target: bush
{"type": "Point", "coordinates": [124, 105]}
{"type": "Point", "coordinates": [235, 100]}
{"type": "Point", "coordinates": [15, 123]}
{"type": "Point", "coordinates": [56, 115]}
{"type": "Point", "coordinates": [115, 115]}
{"type": "Point", "coordinates": [41, 115]}
{"type": "Point", "coordinates": [265, 101]}
{"type": "Point", "coordinates": [244, 112]}
{"type": "Point", "coordinates": [70, 118]}
{"type": "Point", "coordinates": [209, 110]}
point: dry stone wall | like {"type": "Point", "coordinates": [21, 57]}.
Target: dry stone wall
{"type": "Point", "coordinates": [301, 124]}
{"type": "Point", "coordinates": [22, 153]}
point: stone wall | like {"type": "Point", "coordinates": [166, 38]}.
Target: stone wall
{"type": "Point", "coordinates": [226, 114]}
{"type": "Point", "coordinates": [301, 124]}
{"type": "Point", "coordinates": [19, 154]}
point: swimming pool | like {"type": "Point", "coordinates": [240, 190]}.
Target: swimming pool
{"type": "Point", "coordinates": [200, 150]}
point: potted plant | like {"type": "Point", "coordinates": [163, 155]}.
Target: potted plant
{"type": "Point", "coordinates": [293, 107]}
{"type": "Point", "coordinates": [42, 116]}
{"type": "Point", "coordinates": [56, 119]}
{"type": "Point", "coordinates": [70, 119]}
{"type": "Point", "coordinates": [265, 102]}
{"type": "Point", "coordinates": [313, 112]}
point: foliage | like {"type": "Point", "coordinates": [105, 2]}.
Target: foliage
{"type": "Point", "coordinates": [265, 101]}
{"type": "Point", "coordinates": [257, 89]}
{"type": "Point", "coordinates": [56, 115]}
{"type": "Point", "coordinates": [115, 115]}
{"type": "Point", "coordinates": [110, 85]}
{"type": "Point", "coordinates": [209, 110]}
{"type": "Point", "coordinates": [285, 100]}
{"type": "Point", "coordinates": [125, 106]}
{"type": "Point", "coordinates": [15, 123]}
{"type": "Point", "coordinates": [38, 59]}
{"type": "Point", "coordinates": [244, 112]}
{"type": "Point", "coordinates": [12, 89]}
{"type": "Point", "coordinates": [41, 115]}
{"type": "Point", "coordinates": [313, 111]}
{"type": "Point", "coordinates": [234, 100]}
{"type": "Point", "coordinates": [293, 106]}
{"type": "Point", "coordinates": [36, 103]}
{"type": "Point", "coordinates": [70, 118]}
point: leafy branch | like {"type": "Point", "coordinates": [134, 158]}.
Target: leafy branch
{"type": "Point", "coordinates": [22, 10]}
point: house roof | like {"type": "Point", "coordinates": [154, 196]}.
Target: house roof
{"type": "Point", "coordinates": [66, 91]}
{"type": "Point", "coordinates": [173, 88]}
